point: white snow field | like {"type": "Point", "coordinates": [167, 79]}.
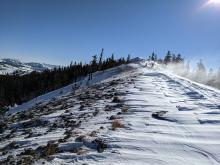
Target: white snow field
{"type": "Point", "coordinates": [9, 66]}
{"type": "Point", "coordinates": [163, 119]}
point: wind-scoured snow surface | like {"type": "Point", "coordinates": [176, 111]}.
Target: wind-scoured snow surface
{"type": "Point", "coordinates": [130, 114]}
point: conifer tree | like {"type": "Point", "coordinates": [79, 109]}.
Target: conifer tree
{"type": "Point", "coordinates": [168, 58]}
{"type": "Point", "coordinates": [200, 72]}
{"type": "Point", "coordinates": [174, 60]}
{"type": "Point", "coordinates": [100, 59]}
{"type": "Point", "coordinates": [153, 57]}
{"type": "Point", "coordinates": [179, 59]}
{"type": "Point", "coordinates": [128, 58]}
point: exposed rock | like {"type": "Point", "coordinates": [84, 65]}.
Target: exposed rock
{"type": "Point", "coordinates": [159, 115]}
{"type": "Point", "coordinates": [30, 152]}
{"type": "Point", "coordinates": [96, 112]}
{"type": "Point", "coordinates": [12, 145]}
{"type": "Point", "coordinates": [3, 126]}
{"type": "Point", "coordinates": [80, 138]}
{"type": "Point", "coordinates": [93, 134]}
{"type": "Point", "coordinates": [113, 117]}
{"type": "Point", "coordinates": [34, 123]}
{"type": "Point", "coordinates": [25, 160]}
{"type": "Point", "coordinates": [101, 144]}
{"type": "Point", "coordinates": [119, 113]}
{"type": "Point", "coordinates": [116, 99]}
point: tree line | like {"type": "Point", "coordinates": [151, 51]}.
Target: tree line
{"type": "Point", "coordinates": [168, 58]}
{"type": "Point", "coordinates": [199, 74]}
{"type": "Point", "coordinates": [16, 89]}
{"type": "Point", "coordinates": [202, 75]}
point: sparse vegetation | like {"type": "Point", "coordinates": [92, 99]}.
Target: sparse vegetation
{"type": "Point", "coordinates": [124, 109]}
{"type": "Point", "coordinates": [116, 124]}
{"type": "Point", "coordinates": [16, 89]}
{"type": "Point", "coordinates": [35, 123]}
{"type": "Point", "coordinates": [30, 152]}
{"type": "Point", "coordinates": [50, 149]}
{"type": "Point", "coordinates": [116, 99]}
{"type": "Point", "coordinates": [81, 151]}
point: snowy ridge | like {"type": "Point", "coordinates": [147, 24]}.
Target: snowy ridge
{"type": "Point", "coordinates": [8, 66]}
{"type": "Point", "coordinates": [82, 84]}
{"type": "Point", "coordinates": [130, 114]}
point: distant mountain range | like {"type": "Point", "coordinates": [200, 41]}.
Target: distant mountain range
{"type": "Point", "coordinates": [9, 66]}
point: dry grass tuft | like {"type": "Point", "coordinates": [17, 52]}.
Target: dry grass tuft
{"type": "Point", "coordinates": [117, 124]}
{"type": "Point", "coordinates": [81, 151]}
{"type": "Point", "coordinates": [124, 109]}
{"type": "Point", "coordinates": [50, 149]}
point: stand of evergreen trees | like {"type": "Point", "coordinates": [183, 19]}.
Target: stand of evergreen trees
{"type": "Point", "coordinates": [169, 58]}
{"type": "Point", "coordinates": [16, 89]}
{"type": "Point", "coordinates": [200, 74]}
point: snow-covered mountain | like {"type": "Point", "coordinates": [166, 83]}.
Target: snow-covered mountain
{"type": "Point", "coordinates": [129, 114]}
{"type": "Point", "coordinates": [137, 60]}
{"type": "Point", "coordinates": [11, 65]}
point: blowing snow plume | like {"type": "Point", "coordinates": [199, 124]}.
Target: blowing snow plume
{"type": "Point", "coordinates": [200, 74]}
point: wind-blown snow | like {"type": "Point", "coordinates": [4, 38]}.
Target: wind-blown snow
{"type": "Point", "coordinates": [169, 119]}
{"type": "Point", "coordinates": [187, 134]}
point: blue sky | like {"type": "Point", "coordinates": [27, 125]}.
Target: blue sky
{"type": "Point", "coordinates": [60, 31]}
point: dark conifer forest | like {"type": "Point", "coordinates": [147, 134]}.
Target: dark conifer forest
{"type": "Point", "coordinates": [16, 89]}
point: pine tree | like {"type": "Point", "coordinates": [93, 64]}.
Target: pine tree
{"type": "Point", "coordinates": [200, 72]}
{"type": "Point", "coordinates": [187, 68]}
{"type": "Point", "coordinates": [100, 59]}
{"type": "Point", "coordinates": [168, 58]}
{"type": "Point", "coordinates": [179, 59]}
{"type": "Point", "coordinates": [174, 60]}
{"type": "Point", "coordinates": [153, 56]}
{"type": "Point", "coordinates": [200, 67]}
{"type": "Point", "coordinates": [128, 58]}
{"type": "Point", "coordinates": [94, 63]}
{"type": "Point", "coordinates": [112, 57]}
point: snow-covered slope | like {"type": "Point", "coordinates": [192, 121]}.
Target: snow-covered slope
{"type": "Point", "coordinates": [126, 115]}
{"type": "Point", "coordinates": [11, 65]}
